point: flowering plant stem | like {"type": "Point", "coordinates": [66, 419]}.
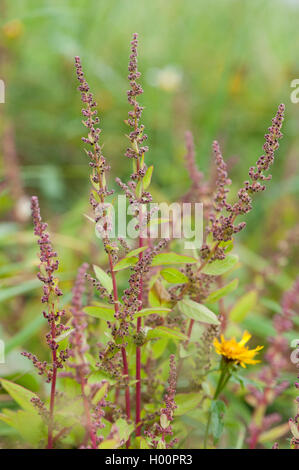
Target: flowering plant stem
{"type": "Point", "coordinates": [52, 396]}
{"type": "Point", "coordinates": [138, 356]}
{"type": "Point", "coordinates": [224, 377]}
{"type": "Point", "coordinates": [123, 349]}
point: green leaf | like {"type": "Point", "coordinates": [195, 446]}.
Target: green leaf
{"type": "Point", "coordinates": [163, 331]}
{"type": "Point", "coordinates": [161, 444]}
{"type": "Point", "coordinates": [227, 246]}
{"type": "Point", "coordinates": [172, 258]}
{"type": "Point", "coordinates": [143, 444]}
{"type": "Point", "coordinates": [150, 311]}
{"type": "Point", "coordinates": [217, 410]}
{"type": "Point", "coordinates": [30, 425]}
{"type": "Point", "coordinates": [186, 402]}
{"type": "Point", "coordinates": [124, 429]}
{"type": "Point", "coordinates": [243, 306]}
{"type": "Point", "coordinates": [271, 304]}
{"type": "Point", "coordinates": [98, 376]}
{"type": "Point", "coordinates": [100, 393]}
{"type": "Point", "coordinates": [173, 276]}
{"type": "Point", "coordinates": [223, 291]}
{"type": "Point", "coordinates": [136, 251]}
{"type": "Point", "coordinates": [164, 421]}
{"type": "Point", "coordinates": [64, 335]}
{"type": "Point", "coordinates": [220, 266]}
{"type": "Point", "coordinates": [259, 326]}
{"type": "Point", "coordinates": [245, 381]}
{"type": "Point", "coordinates": [198, 312]}
{"type": "Point", "coordinates": [158, 347]}
{"type": "Point", "coordinates": [139, 189]}
{"type": "Point", "coordinates": [274, 434]}
{"type": "Point", "coordinates": [104, 312]}
{"type": "Point", "coordinates": [109, 444]}
{"type": "Point", "coordinates": [103, 277]}
{"type": "Point", "coordinates": [20, 394]}
{"type": "Point", "coordinates": [147, 177]}
{"type": "Point", "coordinates": [125, 263]}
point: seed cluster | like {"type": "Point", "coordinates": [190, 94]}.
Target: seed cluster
{"type": "Point", "coordinates": [223, 227]}
{"type": "Point", "coordinates": [51, 293]}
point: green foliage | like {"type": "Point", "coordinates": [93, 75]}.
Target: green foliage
{"type": "Point", "coordinates": [103, 277]}
{"type": "Point", "coordinates": [243, 306]}
{"type": "Point", "coordinates": [147, 177]}
{"type": "Point", "coordinates": [26, 421]}
{"type": "Point", "coordinates": [163, 331]}
{"type": "Point", "coordinates": [173, 276]}
{"type": "Point", "coordinates": [233, 99]}
{"type": "Point", "coordinates": [30, 426]}
{"type": "Point", "coordinates": [198, 312]}
{"type": "Point", "coordinates": [217, 411]}
{"type": "Point", "coordinates": [221, 266]}
{"type": "Point", "coordinates": [20, 394]}
{"type": "Point", "coordinates": [172, 258]}
{"type": "Point", "coordinates": [125, 263]}
{"type": "Point", "coordinates": [222, 292]}
{"type": "Point", "coordinates": [187, 402]}
{"type": "Point", "coordinates": [152, 311]}
{"type": "Point", "coordinates": [105, 312]}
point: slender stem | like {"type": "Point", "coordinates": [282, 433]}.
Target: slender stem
{"type": "Point", "coordinates": [138, 356]}
{"type": "Point", "coordinates": [224, 383]}
{"type": "Point", "coordinates": [87, 415]}
{"type": "Point", "coordinates": [61, 433]}
{"type": "Point", "coordinates": [207, 431]}
{"type": "Point", "coordinates": [53, 389]}
{"type": "Point", "coordinates": [126, 374]}
{"type": "Point", "coordinates": [123, 349]}
{"type": "Point", "coordinates": [254, 439]}
{"type": "Point", "coordinates": [52, 403]}
{"type": "Point", "coordinates": [189, 330]}
{"type": "Point", "coordinates": [223, 379]}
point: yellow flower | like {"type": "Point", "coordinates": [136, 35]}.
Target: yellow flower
{"type": "Point", "coordinates": [235, 351]}
{"type": "Point", "coordinates": [13, 29]}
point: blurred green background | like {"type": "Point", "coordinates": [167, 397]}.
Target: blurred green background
{"type": "Point", "coordinates": [219, 68]}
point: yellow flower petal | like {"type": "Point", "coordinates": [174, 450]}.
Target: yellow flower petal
{"type": "Point", "coordinates": [235, 351]}
{"type": "Point", "coordinates": [246, 337]}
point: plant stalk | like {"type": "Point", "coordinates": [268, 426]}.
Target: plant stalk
{"type": "Point", "coordinates": [223, 379]}
{"type": "Point", "coordinates": [138, 356]}
{"type": "Point", "coordinates": [53, 391]}
{"type": "Point", "coordinates": [123, 349]}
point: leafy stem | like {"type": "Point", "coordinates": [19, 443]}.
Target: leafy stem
{"type": "Point", "coordinates": [224, 377]}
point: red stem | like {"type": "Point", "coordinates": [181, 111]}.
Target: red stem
{"type": "Point", "coordinates": [126, 373]}
{"type": "Point", "coordinates": [53, 391]}
{"type": "Point", "coordinates": [190, 330]}
{"type": "Point", "coordinates": [253, 440]}
{"type": "Point", "coordinates": [123, 349]}
{"type": "Point", "coordinates": [61, 433]}
{"type": "Point", "coordinates": [138, 356]}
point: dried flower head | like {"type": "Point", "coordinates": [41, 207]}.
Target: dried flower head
{"type": "Point", "coordinates": [51, 293]}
